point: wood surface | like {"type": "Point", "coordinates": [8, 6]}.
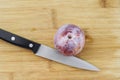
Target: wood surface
{"type": "Point", "coordinates": [38, 20]}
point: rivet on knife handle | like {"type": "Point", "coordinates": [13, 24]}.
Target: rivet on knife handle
{"type": "Point", "coordinates": [19, 41]}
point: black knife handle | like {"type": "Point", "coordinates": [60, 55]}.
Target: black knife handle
{"type": "Point", "coordinates": [19, 41]}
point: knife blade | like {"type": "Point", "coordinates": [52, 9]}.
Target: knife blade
{"type": "Point", "coordinates": [46, 52]}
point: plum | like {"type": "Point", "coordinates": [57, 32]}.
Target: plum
{"type": "Point", "coordinates": [69, 40]}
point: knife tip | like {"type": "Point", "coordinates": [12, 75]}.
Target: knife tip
{"type": "Point", "coordinates": [93, 68]}
{"type": "Point", "coordinates": [97, 69]}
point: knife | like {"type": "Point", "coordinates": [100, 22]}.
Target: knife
{"type": "Point", "coordinates": [45, 51]}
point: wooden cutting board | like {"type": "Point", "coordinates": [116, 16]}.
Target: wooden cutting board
{"type": "Point", "coordinates": [38, 20]}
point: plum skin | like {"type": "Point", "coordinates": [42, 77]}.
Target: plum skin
{"type": "Point", "coordinates": [69, 40]}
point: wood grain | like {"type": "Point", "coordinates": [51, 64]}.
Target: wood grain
{"type": "Point", "coordinates": [38, 20]}
{"type": "Point", "coordinates": [49, 3]}
{"type": "Point", "coordinates": [113, 3]}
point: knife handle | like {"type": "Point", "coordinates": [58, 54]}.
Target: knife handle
{"type": "Point", "coordinates": [19, 41]}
